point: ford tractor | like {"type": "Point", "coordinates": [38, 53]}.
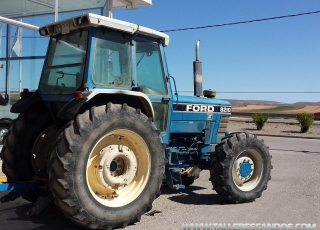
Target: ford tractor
{"type": "Point", "coordinates": [106, 128]}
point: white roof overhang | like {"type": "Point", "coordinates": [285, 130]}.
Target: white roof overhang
{"type": "Point", "coordinates": [95, 20]}
{"type": "Point", "coordinates": [22, 8]}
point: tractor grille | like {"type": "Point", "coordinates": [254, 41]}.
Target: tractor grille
{"type": "Point", "coordinates": [223, 124]}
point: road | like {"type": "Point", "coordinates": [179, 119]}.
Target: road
{"type": "Point", "coordinates": [293, 196]}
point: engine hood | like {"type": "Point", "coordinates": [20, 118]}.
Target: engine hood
{"type": "Point", "coordinates": [199, 100]}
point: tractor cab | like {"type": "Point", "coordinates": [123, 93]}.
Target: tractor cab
{"type": "Point", "coordinates": [92, 59]}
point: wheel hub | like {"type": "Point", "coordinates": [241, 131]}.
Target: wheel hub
{"type": "Point", "coordinates": [3, 132]}
{"type": "Point", "coordinates": [244, 168]}
{"type": "Point", "coordinates": [116, 166]}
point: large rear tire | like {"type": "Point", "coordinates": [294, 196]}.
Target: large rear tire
{"type": "Point", "coordinates": [26, 146]}
{"type": "Point", "coordinates": [107, 167]}
{"type": "Point", "coordinates": [240, 168]}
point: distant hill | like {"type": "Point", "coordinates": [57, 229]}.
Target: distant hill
{"type": "Point", "coordinates": [236, 102]}
{"type": "Point", "coordinates": [306, 103]}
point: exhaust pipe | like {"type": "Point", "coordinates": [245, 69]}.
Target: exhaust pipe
{"type": "Point", "coordinates": [197, 73]}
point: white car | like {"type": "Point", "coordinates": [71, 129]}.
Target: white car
{"type": "Point", "coordinates": [5, 119]}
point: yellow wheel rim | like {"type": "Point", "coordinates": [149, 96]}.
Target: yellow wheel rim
{"type": "Point", "coordinates": [247, 170]}
{"type": "Point", "coordinates": [118, 168]}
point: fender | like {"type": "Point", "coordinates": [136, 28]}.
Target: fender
{"type": "Point", "coordinates": [26, 102]}
{"type": "Point", "coordinates": [72, 107]}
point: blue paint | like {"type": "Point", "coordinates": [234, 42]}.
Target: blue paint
{"type": "Point", "coordinates": [90, 58]}
{"type": "Point", "coordinates": [193, 116]}
{"type": "Point", "coordinates": [187, 126]}
{"type": "Point", "coordinates": [201, 100]}
{"type": "Point", "coordinates": [245, 169]}
{"type": "Point", "coordinates": [113, 166]}
{"type": "Point", "coordinates": [18, 185]}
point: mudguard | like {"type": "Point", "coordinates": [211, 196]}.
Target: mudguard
{"type": "Point", "coordinates": [26, 102]}
{"type": "Point", "coordinates": [70, 109]}
{"type": "Point", "coordinates": [141, 96]}
{"type": "Point", "coordinates": [73, 106]}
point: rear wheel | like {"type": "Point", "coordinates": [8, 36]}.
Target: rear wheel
{"type": "Point", "coordinates": [240, 168]}
{"type": "Point", "coordinates": [107, 167]}
{"type": "Point", "coordinates": [26, 146]}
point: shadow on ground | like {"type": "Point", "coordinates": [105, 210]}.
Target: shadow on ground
{"type": "Point", "coordinates": [189, 195]}
{"type": "Point", "coordinates": [51, 218]}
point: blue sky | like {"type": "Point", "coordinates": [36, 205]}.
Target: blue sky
{"type": "Point", "coordinates": [271, 56]}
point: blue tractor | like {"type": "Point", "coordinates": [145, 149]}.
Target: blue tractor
{"type": "Point", "coordinates": [106, 128]}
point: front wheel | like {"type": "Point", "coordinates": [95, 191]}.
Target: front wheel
{"type": "Point", "coordinates": [240, 168]}
{"type": "Point", "coordinates": [107, 167]}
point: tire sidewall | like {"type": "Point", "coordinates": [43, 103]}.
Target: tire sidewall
{"type": "Point", "coordinates": [19, 141]}
{"type": "Point", "coordinates": [109, 122]}
{"type": "Point", "coordinates": [250, 144]}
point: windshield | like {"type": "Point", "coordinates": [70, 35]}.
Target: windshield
{"type": "Point", "coordinates": [149, 68]}
{"type": "Point", "coordinates": [64, 67]}
{"type": "Point", "coordinates": [112, 66]}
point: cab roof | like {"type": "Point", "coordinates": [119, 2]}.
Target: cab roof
{"type": "Point", "coordinates": [94, 20]}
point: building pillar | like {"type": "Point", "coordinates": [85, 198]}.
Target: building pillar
{"type": "Point", "coordinates": [56, 9]}
{"type": "Point", "coordinates": [107, 9]}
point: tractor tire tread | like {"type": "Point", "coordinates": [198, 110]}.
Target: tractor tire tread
{"type": "Point", "coordinates": [62, 162]}
{"type": "Point", "coordinates": [221, 160]}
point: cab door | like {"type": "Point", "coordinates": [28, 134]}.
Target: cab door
{"type": "Point", "coordinates": [151, 79]}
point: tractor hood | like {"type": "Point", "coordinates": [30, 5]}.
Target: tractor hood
{"type": "Point", "coordinates": [196, 114]}
{"type": "Point", "coordinates": [200, 100]}
{"type": "Point", "coordinates": [201, 105]}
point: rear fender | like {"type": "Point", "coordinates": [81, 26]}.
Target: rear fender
{"type": "Point", "coordinates": [99, 97]}
{"type": "Point", "coordinates": [26, 102]}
